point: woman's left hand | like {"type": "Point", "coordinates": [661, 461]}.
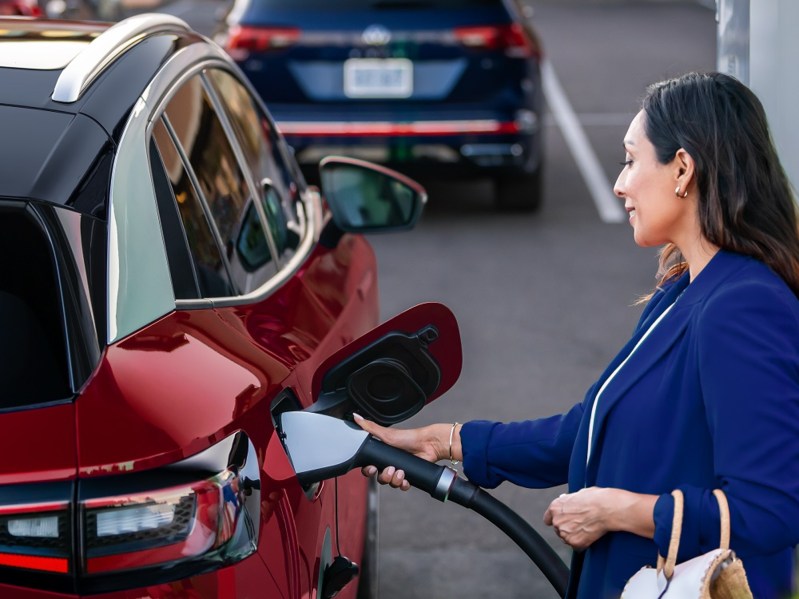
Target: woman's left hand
{"type": "Point", "coordinates": [581, 518]}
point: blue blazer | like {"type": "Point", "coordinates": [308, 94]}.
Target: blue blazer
{"type": "Point", "coordinates": [709, 400]}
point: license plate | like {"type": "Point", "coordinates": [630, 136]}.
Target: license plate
{"type": "Point", "coordinates": [378, 78]}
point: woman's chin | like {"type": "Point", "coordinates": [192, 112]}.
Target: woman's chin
{"type": "Point", "coordinates": [641, 240]}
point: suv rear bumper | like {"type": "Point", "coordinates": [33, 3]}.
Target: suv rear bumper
{"type": "Point", "coordinates": [468, 144]}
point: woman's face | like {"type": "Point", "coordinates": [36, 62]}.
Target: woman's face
{"type": "Point", "coordinates": [647, 187]}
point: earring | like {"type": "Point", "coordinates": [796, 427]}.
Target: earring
{"type": "Point", "coordinates": [680, 195]}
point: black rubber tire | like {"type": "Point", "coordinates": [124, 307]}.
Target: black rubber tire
{"type": "Point", "coordinates": [518, 194]}
{"type": "Point", "coordinates": [368, 577]}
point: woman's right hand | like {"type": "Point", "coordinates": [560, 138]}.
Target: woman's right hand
{"type": "Point", "coordinates": [430, 443]}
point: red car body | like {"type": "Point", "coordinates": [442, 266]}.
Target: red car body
{"type": "Point", "coordinates": [192, 378]}
{"type": "Point", "coordinates": [151, 468]}
{"type": "Point", "coordinates": [20, 8]}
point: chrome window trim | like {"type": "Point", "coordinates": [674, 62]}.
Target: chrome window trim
{"type": "Point", "coordinates": [106, 48]}
{"type": "Point", "coordinates": [311, 200]}
{"type": "Point", "coordinates": [183, 65]}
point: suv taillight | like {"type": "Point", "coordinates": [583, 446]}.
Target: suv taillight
{"type": "Point", "coordinates": [244, 39]}
{"type": "Point", "coordinates": [512, 39]}
{"type": "Point", "coordinates": [140, 530]}
{"type": "Point", "coordinates": [36, 537]}
{"type": "Point", "coordinates": [24, 8]}
{"type": "Point", "coordinates": [133, 530]}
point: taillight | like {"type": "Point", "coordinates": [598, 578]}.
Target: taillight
{"type": "Point", "coordinates": [147, 529]}
{"type": "Point", "coordinates": [132, 530]}
{"type": "Point", "coordinates": [173, 523]}
{"type": "Point", "coordinates": [25, 8]}
{"type": "Point", "coordinates": [36, 537]}
{"type": "Point", "coordinates": [512, 39]}
{"type": "Point", "coordinates": [245, 39]}
{"type": "Point", "coordinates": [34, 9]}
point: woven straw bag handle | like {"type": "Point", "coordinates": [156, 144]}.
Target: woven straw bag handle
{"type": "Point", "coordinates": [667, 564]}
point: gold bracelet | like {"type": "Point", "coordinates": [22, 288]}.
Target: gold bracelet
{"type": "Point", "coordinates": [452, 461]}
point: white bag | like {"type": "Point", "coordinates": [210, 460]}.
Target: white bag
{"type": "Point", "coordinates": [717, 574]}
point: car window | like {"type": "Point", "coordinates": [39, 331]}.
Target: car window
{"type": "Point", "coordinates": [211, 273]}
{"type": "Point", "coordinates": [181, 263]}
{"type": "Point", "coordinates": [33, 355]}
{"type": "Point", "coordinates": [222, 186]}
{"type": "Point", "coordinates": [262, 149]}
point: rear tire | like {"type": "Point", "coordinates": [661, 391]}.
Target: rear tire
{"type": "Point", "coordinates": [518, 194]}
{"type": "Point", "coordinates": [368, 578]}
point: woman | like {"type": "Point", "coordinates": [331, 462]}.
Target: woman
{"type": "Point", "coordinates": [706, 393]}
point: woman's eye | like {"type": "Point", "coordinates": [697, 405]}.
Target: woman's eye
{"type": "Point", "coordinates": [626, 163]}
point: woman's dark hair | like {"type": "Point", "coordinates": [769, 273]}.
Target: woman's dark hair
{"type": "Point", "coordinates": [745, 200]}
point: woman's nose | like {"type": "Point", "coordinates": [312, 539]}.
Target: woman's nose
{"type": "Point", "coordinates": [618, 187]}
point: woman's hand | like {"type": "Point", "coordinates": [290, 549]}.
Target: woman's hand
{"type": "Point", "coordinates": [581, 518]}
{"type": "Point", "coordinates": [430, 443]}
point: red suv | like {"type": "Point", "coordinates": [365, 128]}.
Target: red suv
{"type": "Point", "coordinates": [168, 282]}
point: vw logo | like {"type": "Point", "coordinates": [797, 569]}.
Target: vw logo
{"type": "Point", "coordinates": [376, 35]}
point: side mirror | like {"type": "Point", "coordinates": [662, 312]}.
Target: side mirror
{"type": "Point", "coordinates": [368, 198]}
{"type": "Point", "coordinates": [393, 371]}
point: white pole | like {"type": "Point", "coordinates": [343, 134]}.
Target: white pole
{"type": "Point", "coordinates": [774, 73]}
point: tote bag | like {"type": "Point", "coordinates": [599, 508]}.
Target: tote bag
{"type": "Point", "coordinates": [717, 574]}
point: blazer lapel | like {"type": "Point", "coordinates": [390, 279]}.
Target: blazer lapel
{"type": "Point", "coordinates": [685, 297]}
{"type": "Point", "coordinates": [659, 341]}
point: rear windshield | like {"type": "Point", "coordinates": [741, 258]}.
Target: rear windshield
{"type": "Point", "coordinates": [33, 357]}
{"type": "Point", "coordinates": [369, 4]}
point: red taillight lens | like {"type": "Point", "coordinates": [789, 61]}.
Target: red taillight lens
{"type": "Point", "coordinates": [36, 536]}
{"type": "Point", "coordinates": [33, 8]}
{"type": "Point", "coordinates": [244, 39]}
{"type": "Point", "coordinates": [25, 8]}
{"type": "Point", "coordinates": [512, 39]}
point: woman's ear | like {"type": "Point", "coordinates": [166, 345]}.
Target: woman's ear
{"type": "Point", "coordinates": [683, 170]}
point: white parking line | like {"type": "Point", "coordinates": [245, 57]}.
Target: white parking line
{"type": "Point", "coordinates": [601, 189]}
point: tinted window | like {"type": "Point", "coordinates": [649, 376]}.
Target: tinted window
{"type": "Point", "coordinates": [222, 184]}
{"type": "Point", "coordinates": [33, 357]}
{"type": "Point", "coordinates": [208, 264]}
{"type": "Point", "coordinates": [265, 160]}
{"type": "Point", "coordinates": [181, 263]}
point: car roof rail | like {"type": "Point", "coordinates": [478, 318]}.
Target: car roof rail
{"type": "Point", "coordinates": [107, 47]}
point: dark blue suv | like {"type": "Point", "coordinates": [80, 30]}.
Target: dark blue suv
{"type": "Point", "coordinates": [450, 84]}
